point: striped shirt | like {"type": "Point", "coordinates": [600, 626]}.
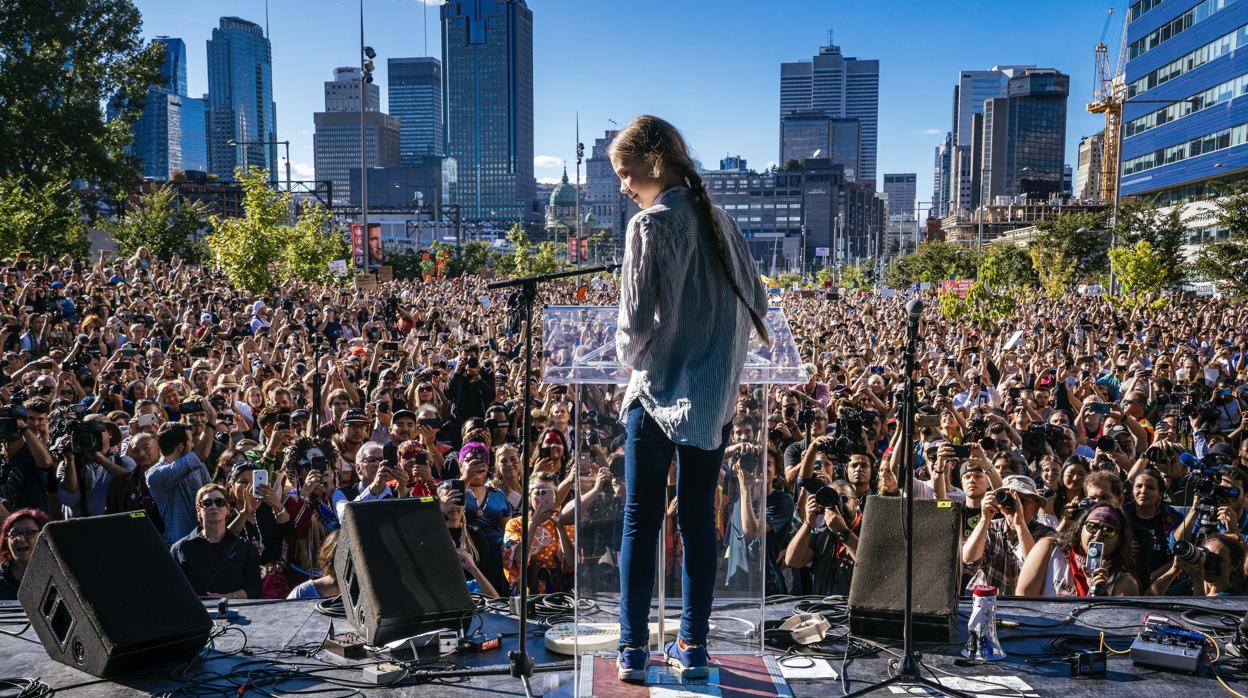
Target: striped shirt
{"type": "Point", "coordinates": [681, 328]}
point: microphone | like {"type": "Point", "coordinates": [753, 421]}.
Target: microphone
{"type": "Point", "coordinates": [1189, 460]}
{"type": "Point", "coordinates": [915, 309]}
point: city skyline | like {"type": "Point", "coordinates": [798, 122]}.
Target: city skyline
{"type": "Point", "coordinates": [730, 102]}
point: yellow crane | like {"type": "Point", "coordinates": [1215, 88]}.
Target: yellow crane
{"type": "Point", "coordinates": [1109, 91]}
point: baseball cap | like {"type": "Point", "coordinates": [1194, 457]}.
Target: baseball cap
{"type": "Point", "coordinates": [354, 415]}
{"type": "Point", "coordinates": [1222, 449]}
{"type": "Point", "coordinates": [1115, 430]}
{"type": "Point", "coordinates": [403, 413]}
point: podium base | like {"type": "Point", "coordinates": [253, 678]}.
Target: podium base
{"type": "Point", "coordinates": [732, 676]}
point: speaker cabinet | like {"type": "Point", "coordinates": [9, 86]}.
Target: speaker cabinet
{"type": "Point", "coordinates": [398, 572]}
{"type": "Point", "coordinates": [106, 597]}
{"type": "Point", "coordinates": [877, 593]}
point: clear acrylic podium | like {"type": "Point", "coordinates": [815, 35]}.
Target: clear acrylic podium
{"type": "Point", "coordinates": [579, 352]}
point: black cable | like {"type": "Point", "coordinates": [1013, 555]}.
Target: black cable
{"type": "Point", "coordinates": [331, 607]}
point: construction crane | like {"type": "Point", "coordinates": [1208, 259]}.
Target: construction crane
{"type": "Point", "coordinates": [1109, 92]}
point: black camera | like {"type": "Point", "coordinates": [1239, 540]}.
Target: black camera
{"type": "Point", "coordinates": [190, 407]}
{"type": "Point", "coordinates": [1197, 555]}
{"type": "Point", "coordinates": [825, 495]}
{"type": "Point", "coordinates": [70, 432]}
{"type": "Point", "coordinates": [1106, 444]}
{"type": "Point", "coordinates": [9, 414]}
{"type": "Point", "coordinates": [1004, 500]}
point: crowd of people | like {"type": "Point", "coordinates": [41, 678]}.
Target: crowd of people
{"type": "Point", "coordinates": [1094, 450]}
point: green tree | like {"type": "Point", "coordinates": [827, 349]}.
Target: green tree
{"type": "Point", "coordinates": [933, 262]}
{"type": "Point", "coordinates": [1227, 259]}
{"type": "Point", "coordinates": [825, 277]}
{"type": "Point", "coordinates": [44, 219]}
{"type": "Point", "coordinates": [161, 223]}
{"type": "Point", "coordinates": [550, 257]}
{"type": "Point", "coordinates": [262, 248]}
{"type": "Point", "coordinates": [1006, 266]}
{"type": "Point", "coordinates": [1141, 272]}
{"type": "Point", "coordinates": [1070, 248]}
{"type": "Point", "coordinates": [1142, 220]}
{"type": "Point", "coordinates": [310, 245]}
{"type": "Point", "coordinates": [59, 62]}
{"type": "Point", "coordinates": [406, 264]}
{"type": "Point", "coordinates": [859, 277]}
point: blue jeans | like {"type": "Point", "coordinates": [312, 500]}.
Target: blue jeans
{"type": "Point", "coordinates": [647, 458]}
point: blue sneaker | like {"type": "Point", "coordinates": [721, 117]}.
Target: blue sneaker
{"type": "Point", "coordinates": [631, 664]}
{"type": "Point", "coordinates": [691, 661]}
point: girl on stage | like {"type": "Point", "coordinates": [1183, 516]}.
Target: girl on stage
{"type": "Point", "coordinates": [689, 298]}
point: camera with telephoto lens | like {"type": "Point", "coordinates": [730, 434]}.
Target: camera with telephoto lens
{"type": "Point", "coordinates": [1037, 435]}
{"type": "Point", "coordinates": [1209, 488]}
{"type": "Point", "coordinates": [70, 433]}
{"type": "Point", "coordinates": [825, 495]}
{"type": "Point", "coordinates": [1197, 556]}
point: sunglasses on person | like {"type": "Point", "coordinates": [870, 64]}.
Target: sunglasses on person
{"type": "Point", "coordinates": [1106, 531]}
{"type": "Point", "coordinates": [213, 502]}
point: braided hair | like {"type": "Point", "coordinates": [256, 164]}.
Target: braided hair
{"type": "Point", "coordinates": [659, 148]}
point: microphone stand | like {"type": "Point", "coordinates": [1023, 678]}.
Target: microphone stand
{"type": "Point", "coordinates": [908, 673]}
{"type": "Point", "coordinates": [521, 663]}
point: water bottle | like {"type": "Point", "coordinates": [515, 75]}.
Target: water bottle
{"type": "Point", "coordinates": [981, 629]}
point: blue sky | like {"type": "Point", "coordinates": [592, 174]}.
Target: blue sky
{"type": "Point", "coordinates": [711, 67]}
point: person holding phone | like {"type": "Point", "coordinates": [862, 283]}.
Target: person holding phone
{"type": "Point", "coordinates": [690, 297]}
{"type": "Point", "coordinates": [377, 481]}
{"type": "Point", "coordinates": [552, 554]}
{"type": "Point", "coordinates": [1061, 565]}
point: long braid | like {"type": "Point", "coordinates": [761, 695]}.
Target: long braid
{"type": "Point", "coordinates": [703, 200]}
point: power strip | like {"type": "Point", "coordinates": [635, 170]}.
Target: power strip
{"type": "Point", "coordinates": [1165, 645]}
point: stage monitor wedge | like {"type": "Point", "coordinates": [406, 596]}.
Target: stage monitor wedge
{"type": "Point", "coordinates": [398, 572]}
{"type": "Point", "coordinates": [106, 597]}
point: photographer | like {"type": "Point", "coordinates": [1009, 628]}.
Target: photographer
{"type": "Point", "coordinates": [1213, 568]}
{"type": "Point", "coordinates": [743, 462]}
{"type": "Point", "coordinates": [825, 541]}
{"type": "Point", "coordinates": [180, 473]}
{"type": "Point", "coordinates": [471, 390]}
{"type": "Point", "coordinates": [24, 472]}
{"type": "Point", "coordinates": [87, 477]}
{"type": "Point", "coordinates": [995, 551]}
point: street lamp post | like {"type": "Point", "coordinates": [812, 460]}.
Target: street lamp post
{"type": "Point", "coordinates": [284, 144]}
{"type": "Point", "coordinates": [367, 54]}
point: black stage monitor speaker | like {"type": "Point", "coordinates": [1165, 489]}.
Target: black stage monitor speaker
{"type": "Point", "coordinates": [877, 594]}
{"type": "Point", "coordinates": [107, 598]}
{"type": "Point", "coordinates": [398, 571]}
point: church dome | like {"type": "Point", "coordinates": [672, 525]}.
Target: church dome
{"type": "Point", "coordinates": [564, 194]}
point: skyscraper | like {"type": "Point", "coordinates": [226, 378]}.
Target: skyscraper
{"type": "Point", "coordinates": [415, 98]}
{"type": "Point", "coordinates": [343, 92]}
{"type": "Point", "coordinates": [194, 134]}
{"type": "Point", "coordinates": [240, 99]}
{"type": "Point", "coordinates": [842, 87]}
{"type": "Point", "coordinates": [1024, 136]}
{"type": "Point", "coordinates": [901, 192]}
{"type": "Point", "coordinates": [811, 133]}
{"type": "Point", "coordinates": [158, 131]}
{"type": "Point", "coordinates": [487, 59]}
{"type": "Point", "coordinates": [969, 94]}
{"type": "Point", "coordinates": [336, 140]}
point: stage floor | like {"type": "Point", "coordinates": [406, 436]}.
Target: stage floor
{"type": "Point", "coordinates": [261, 644]}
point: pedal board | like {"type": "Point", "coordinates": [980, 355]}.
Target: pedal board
{"type": "Point", "coordinates": [1162, 644]}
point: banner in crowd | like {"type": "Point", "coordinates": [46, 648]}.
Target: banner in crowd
{"type": "Point", "coordinates": [338, 267]}
{"type": "Point", "coordinates": [958, 286]}
{"type": "Point", "coordinates": [374, 245]}
{"type": "Point", "coordinates": [573, 249]}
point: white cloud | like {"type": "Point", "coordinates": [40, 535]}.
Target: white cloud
{"type": "Point", "coordinates": [930, 132]}
{"type": "Point", "coordinates": [547, 161]}
{"type": "Point", "coordinates": [549, 180]}
{"type": "Point", "coordinates": [299, 170]}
